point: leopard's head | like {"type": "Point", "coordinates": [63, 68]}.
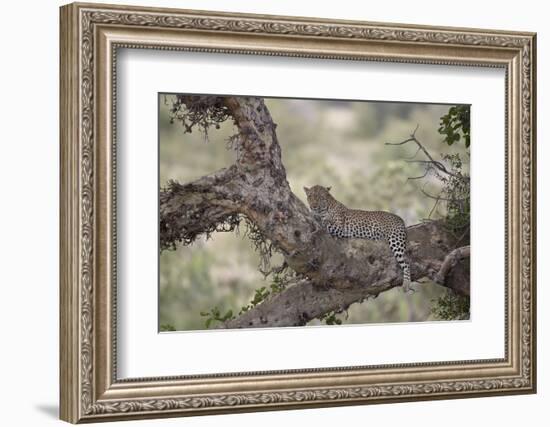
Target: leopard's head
{"type": "Point", "coordinates": [318, 198]}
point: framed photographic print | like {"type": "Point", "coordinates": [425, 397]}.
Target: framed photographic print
{"type": "Point", "coordinates": [266, 212]}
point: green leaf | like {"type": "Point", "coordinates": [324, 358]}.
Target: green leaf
{"type": "Point", "coordinates": [165, 327]}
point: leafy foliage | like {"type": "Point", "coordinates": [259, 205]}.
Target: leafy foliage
{"type": "Point", "coordinates": [215, 315]}
{"type": "Point", "coordinates": [451, 306]}
{"type": "Point", "coordinates": [331, 319]}
{"type": "Point", "coordinates": [260, 295]}
{"type": "Point", "coordinates": [167, 327]}
{"type": "Point", "coordinates": [277, 284]}
{"type": "Point", "coordinates": [456, 191]}
{"type": "Point", "coordinates": [456, 124]}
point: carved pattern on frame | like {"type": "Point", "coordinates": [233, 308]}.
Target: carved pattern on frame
{"type": "Point", "coordinates": [89, 18]}
{"type": "Point", "coordinates": [331, 394]}
{"type": "Point", "coordinates": [526, 309]}
{"type": "Point", "coordinates": [86, 212]}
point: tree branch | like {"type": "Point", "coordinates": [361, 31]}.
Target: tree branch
{"type": "Point", "coordinates": [298, 304]}
{"type": "Point", "coordinates": [201, 207]}
{"type": "Point", "coordinates": [449, 265]}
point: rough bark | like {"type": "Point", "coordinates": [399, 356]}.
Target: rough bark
{"type": "Point", "coordinates": [335, 272]}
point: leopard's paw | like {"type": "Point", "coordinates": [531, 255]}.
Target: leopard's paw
{"type": "Point", "coordinates": [407, 288]}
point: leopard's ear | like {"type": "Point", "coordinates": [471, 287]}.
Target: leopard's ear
{"type": "Point", "coordinates": [328, 188]}
{"type": "Point", "coordinates": [306, 190]}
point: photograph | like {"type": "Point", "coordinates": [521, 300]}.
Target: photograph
{"type": "Point", "coordinates": [278, 212]}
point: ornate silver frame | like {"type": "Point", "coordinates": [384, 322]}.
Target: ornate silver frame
{"type": "Point", "coordinates": [90, 35]}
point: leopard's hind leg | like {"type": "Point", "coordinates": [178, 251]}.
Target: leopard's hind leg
{"type": "Point", "coordinates": [397, 241]}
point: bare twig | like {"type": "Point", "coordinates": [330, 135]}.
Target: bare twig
{"type": "Point", "coordinates": [433, 208]}
{"type": "Point", "coordinates": [431, 162]}
{"type": "Point", "coordinates": [446, 199]}
{"type": "Point", "coordinates": [411, 178]}
{"type": "Point", "coordinates": [415, 154]}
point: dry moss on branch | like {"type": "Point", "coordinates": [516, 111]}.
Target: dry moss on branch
{"type": "Point", "coordinates": [199, 111]}
{"type": "Point", "coordinates": [185, 223]}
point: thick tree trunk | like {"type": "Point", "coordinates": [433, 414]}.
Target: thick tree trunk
{"type": "Point", "coordinates": [335, 272]}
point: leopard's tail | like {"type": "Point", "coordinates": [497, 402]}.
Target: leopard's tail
{"type": "Point", "coordinates": [406, 276]}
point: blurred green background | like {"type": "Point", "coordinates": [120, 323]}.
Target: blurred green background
{"type": "Point", "coordinates": [332, 143]}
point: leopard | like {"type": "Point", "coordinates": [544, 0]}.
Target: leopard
{"type": "Point", "coordinates": [343, 222]}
